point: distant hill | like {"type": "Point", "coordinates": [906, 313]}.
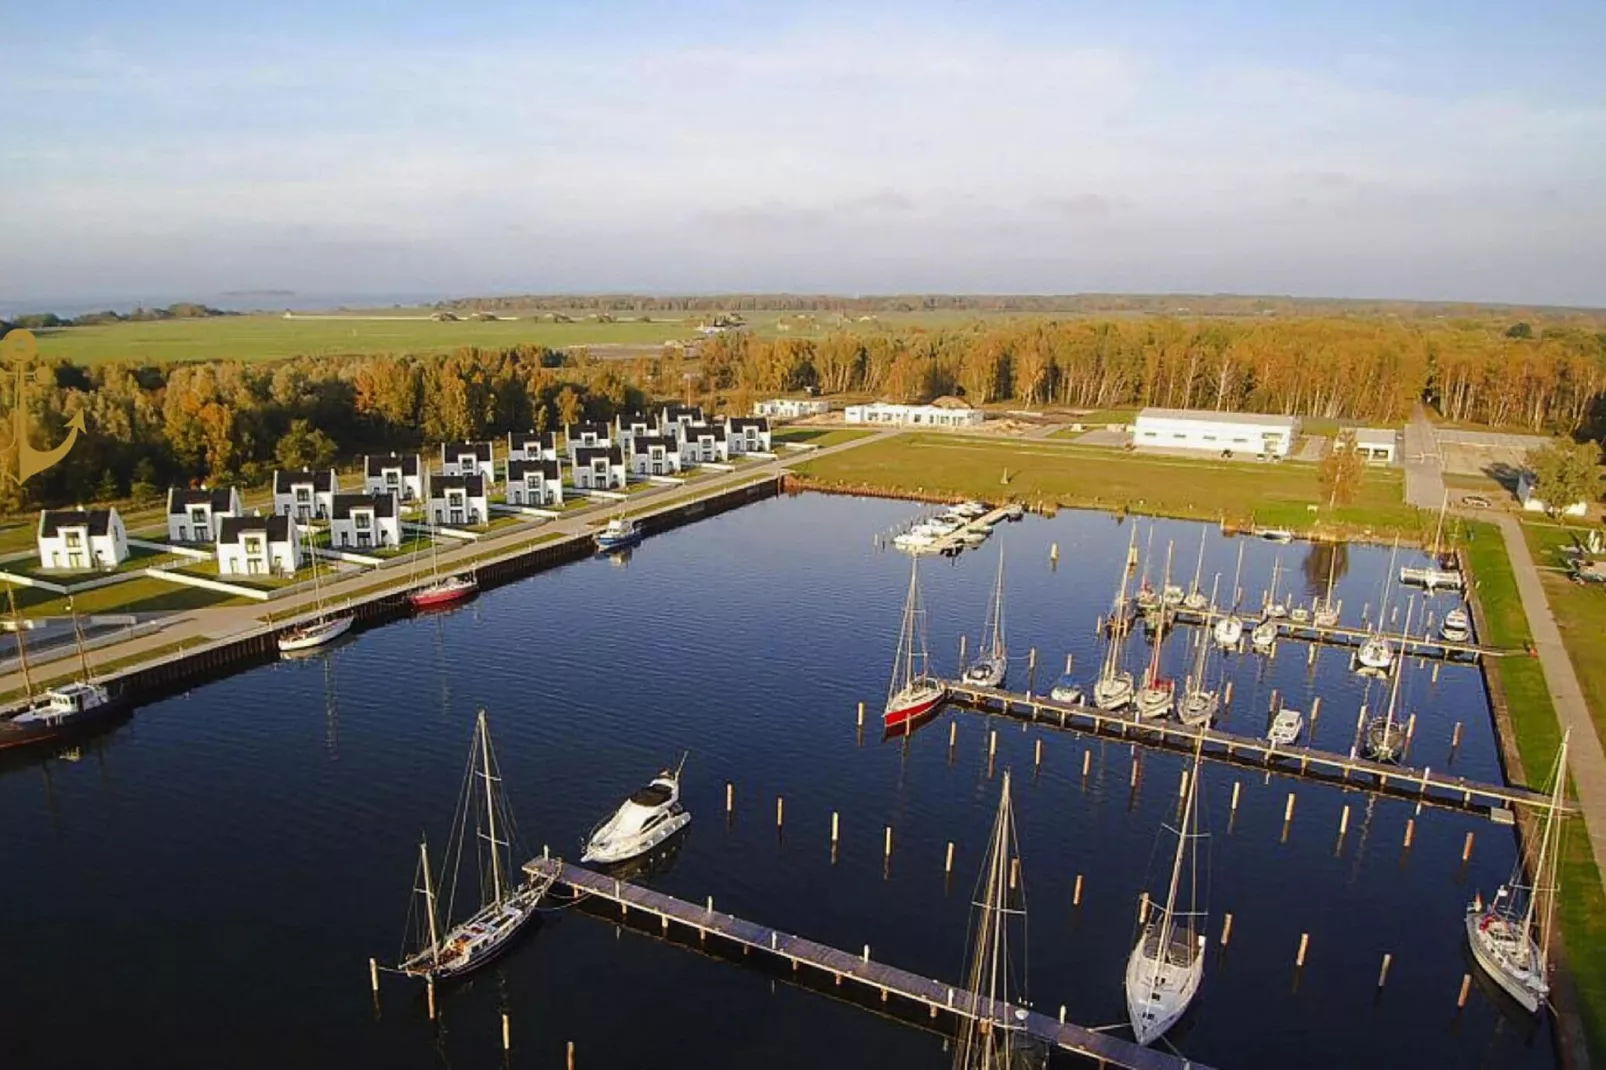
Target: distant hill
{"type": "Point", "coordinates": [180, 310]}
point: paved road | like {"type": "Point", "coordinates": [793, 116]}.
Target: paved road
{"type": "Point", "coordinates": [1424, 468]}
{"type": "Point", "coordinates": [223, 621]}
{"type": "Point", "coordinates": [1586, 757]}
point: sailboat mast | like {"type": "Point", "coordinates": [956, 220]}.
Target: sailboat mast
{"type": "Point", "coordinates": [1112, 653]}
{"type": "Point", "coordinates": [22, 648]}
{"type": "Point", "coordinates": [1166, 925]}
{"type": "Point", "coordinates": [490, 806]}
{"type": "Point", "coordinates": [429, 902]}
{"type": "Point", "coordinates": [1399, 663]}
{"type": "Point", "coordinates": [1198, 566]}
{"type": "Point", "coordinates": [1545, 866]}
{"type": "Point", "coordinates": [1237, 577]}
{"type": "Point", "coordinates": [78, 638]}
{"type": "Point", "coordinates": [998, 606]}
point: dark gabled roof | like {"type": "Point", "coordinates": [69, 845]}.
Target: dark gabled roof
{"type": "Point", "coordinates": [547, 440]}
{"type": "Point", "coordinates": [384, 505]}
{"type": "Point", "coordinates": [473, 484]}
{"type": "Point", "coordinates": [285, 479]}
{"type": "Point", "coordinates": [451, 451]}
{"type": "Point", "coordinates": [600, 430]}
{"type": "Point", "coordinates": [697, 431]}
{"type": "Point", "coordinates": [645, 443]}
{"type": "Point", "coordinates": [737, 423]}
{"type": "Point", "coordinates": [638, 419]}
{"type": "Point", "coordinates": [586, 454]}
{"type": "Point", "coordinates": [277, 526]}
{"type": "Point", "coordinates": [179, 499]}
{"type": "Point", "coordinates": [98, 521]}
{"type": "Point", "coordinates": [376, 463]}
{"type": "Point", "coordinates": [679, 412]}
{"type": "Point", "coordinates": [516, 470]}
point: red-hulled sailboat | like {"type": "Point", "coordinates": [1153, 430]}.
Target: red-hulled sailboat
{"type": "Point", "coordinates": [913, 693]}
{"type": "Point", "coordinates": [441, 591]}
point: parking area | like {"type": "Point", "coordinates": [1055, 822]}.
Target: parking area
{"type": "Point", "coordinates": [1486, 453]}
{"type": "Point", "coordinates": [1103, 436]}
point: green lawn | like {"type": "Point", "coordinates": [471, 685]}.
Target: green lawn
{"type": "Point", "coordinates": [138, 558]}
{"type": "Point", "coordinates": [1580, 612]}
{"type": "Point", "coordinates": [1035, 470]}
{"type": "Point", "coordinates": [209, 570]}
{"type": "Point", "coordinates": [139, 595]}
{"type": "Point", "coordinates": [817, 436]}
{"type": "Point", "coordinates": [1533, 718]}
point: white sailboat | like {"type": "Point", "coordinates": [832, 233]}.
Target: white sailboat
{"type": "Point", "coordinates": [1375, 652]}
{"type": "Point", "coordinates": [1385, 736]}
{"type": "Point", "coordinates": [1195, 599]}
{"type": "Point", "coordinates": [1166, 967]}
{"type": "Point", "coordinates": [504, 905]}
{"type": "Point", "coordinates": [992, 662]}
{"type": "Point", "coordinates": [992, 1036]}
{"type": "Point", "coordinates": [1229, 630]}
{"type": "Point", "coordinates": [1325, 613]}
{"type": "Point", "coordinates": [913, 692]}
{"type": "Point", "coordinates": [1274, 608]}
{"type": "Point", "coordinates": [1510, 937]}
{"type": "Point", "coordinates": [321, 629]}
{"type": "Point", "coordinates": [1200, 703]}
{"type": "Point", "coordinates": [1115, 687]}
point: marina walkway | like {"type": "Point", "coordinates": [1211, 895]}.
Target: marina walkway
{"type": "Point", "coordinates": [938, 997]}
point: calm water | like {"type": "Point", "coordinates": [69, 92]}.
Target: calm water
{"type": "Point", "coordinates": [205, 886]}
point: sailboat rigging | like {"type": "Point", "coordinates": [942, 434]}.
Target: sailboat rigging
{"type": "Point", "coordinates": [441, 591]}
{"type": "Point", "coordinates": [913, 692]}
{"type": "Point", "coordinates": [1156, 696]}
{"type": "Point", "coordinates": [323, 628]}
{"type": "Point", "coordinates": [1200, 703]}
{"type": "Point", "coordinates": [1385, 736]}
{"type": "Point", "coordinates": [1195, 599]}
{"type": "Point", "coordinates": [992, 664]}
{"type": "Point", "coordinates": [1229, 630]}
{"type": "Point", "coordinates": [1114, 687]}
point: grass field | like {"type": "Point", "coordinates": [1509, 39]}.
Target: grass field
{"type": "Point", "coordinates": [817, 436]}
{"type": "Point", "coordinates": [1538, 732]}
{"type": "Point", "coordinates": [1037, 470]}
{"type": "Point", "coordinates": [1580, 612]}
{"type": "Point", "coordinates": [142, 595]}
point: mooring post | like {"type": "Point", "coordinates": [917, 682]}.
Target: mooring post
{"type": "Point", "coordinates": [867, 954]}
{"type": "Point", "coordinates": [1062, 1014]}
{"type": "Point", "coordinates": [992, 744]}
{"type": "Point", "coordinates": [1455, 736]}
{"type": "Point", "coordinates": [1310, 654]}
{"type": "Point", "coordinates": [1237, 787]}
{"type": "Point", "coordinates": [1466, 848]}
{"type": "Point", "coordinates": [1436, 665]}
{"type": "Point", "coordinates": [571, 1055]}
{"type": "Point", "coordinates": [1031, 669]}
{"type": "Point", "coordinates": [507, 1038]}
{"type": "Point", "coordinates": [948, 865]}
{"type": "Point", "coordinates": [1466, 984]}
{"type": "Point", "coordinates": [1182, 788]}
{"type": "Point", "coordinates": [1304, 943]}
{"type": "Point", "coordinates": [961, 651]}
{"type": "Point", "coordinates": [1037, 755]}
{"type": "Point", "coordinates": [1226, 929]}
{"type": "Point", "coordinates": [1076, 893]}
{"type": "Point", "coordinates": [1383, 971]}
{"type": "Point", "coordinates": [1143, 908]}
{"type": "Point", "coordinates": [373, 965]}
{"type": "Point", "coordinates": [1068, 660]}
{"type": "Point", "coordinates": [429, 991]}
{"type": "Point", "coordinates": [889, 841]}
{"type": "Point", "coordinates": [1276, 701]}
{"type": "Point", "coordinates": [730, 796]}
{"type": "Point", "coordinates": [861, 714]}
{"type": "Point", "coordinates": [1226, 699]}
{"type": "Point", "coordinates": [1410, 830]}
{"type": "Point", "coordinates": [1014, 872]}
{"type": "Point", "coordinates": [1343, 820]}
{"type": "Point", "coordinates": [710, 905]}
{"type": "Point", "coordinates": [1315, 712]}
{"type": "Point", "coordinates": [953, 732]}
{"type": "Point", "coordinates": [1087, 760]}
{"type": "Point", "coordinates": [835, 818]}
{"type": "Point", "coordinates": [1288, 810]}
{"type": "Point", "coordinates": [780, 810]}
{"type": "Point", "coordinates": [1410, 727]}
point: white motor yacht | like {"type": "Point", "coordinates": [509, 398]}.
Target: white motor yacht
{"type": "Point", "coordinates": [1456, 626]}
{"type": "Point", "coordinates": [1066, 689]}
{"type": "Point", "coordinates": [649, 817]}
{"type": "Point", "coordinates": [1285, 727]}
{"type": "Point", "coordinates": [970, 510]}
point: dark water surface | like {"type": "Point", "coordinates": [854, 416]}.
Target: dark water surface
{"type": "Point", "coordinates": [205, 886]}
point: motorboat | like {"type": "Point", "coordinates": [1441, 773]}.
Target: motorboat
{"type": "Point", "coordinates": [1114, 690]}
{"type": "Point", "coordinates": [1285, 727]}
{"type": "Point", "coordinates": [1325, 616]}
{"type": "Point", "coordinates": [59, 712]}
{"type": "Point", "coordinates": [1264, 635]}
{"type": "Point", "coordinates": [1014, 511]}
{"type": "Point", "coordinates": [646, 819]}
{"type": "Point", "coordinates": [1066, 689]}
{"type": "Point", "coordinates": [915, 542]}
{"type": "Point", "coordinates": [315, 634]}
{"type": "Point", "coordinates": [1277, 535]}
{"type": "Point", "coordinates": [443, 592]}
{"type": "Point", "coordinates": [1375, 653]}
{"type": "Point", "coordinates": [1299, 615]}
{"type": "Point", "coordinates": [619, 534]}
{"type": "Point", "coordinates": [913, 693]}
{"type": "Point", "coordinates": [1229, 631]}
{"type": "Point", "coordinates": [970, 510]}
{"type": "Point", "coordinates": [1456, 626]}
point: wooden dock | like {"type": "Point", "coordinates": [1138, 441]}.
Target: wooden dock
{"type": "Point", "coordinates": [842, 966]}
{"type": "Point", "coordinates": [1253, 752]}
{"type": "Point", "coordinates": [1428, 646]}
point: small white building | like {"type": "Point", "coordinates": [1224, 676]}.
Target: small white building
{"type": "Point", "coordinates": [395, 473]}
{"type": "Point", "coordinates": [674, 418]}
{"type": "Point", "coordinates": [1377, 445]}
{"type": "Point", "coordinates": [259, 545]}
{"type": "Point", "coordinates": [599, 468]}
{"type": "Point", "coordinates": [886, 413]}
{"type": "Point", "coordinates": [1526, 487]}
{"type": "Point", "coordinates": [632, 427]}
{"type": "Point", "coordinates": [538, 481]}
{"type": "Point", "coordinates": [1250, 433]}
{"type": "Point", "coordinates": [193, 513]}
{"type": "Point", "coordinates": [468, 458]}
{"type": "Point", "coordinates": [305, 494]}
{"type": "Point", "coordinates": [365, 522]}
{"type": "Point", "coordinates": [532, 445]}
{"type": "Point", "coordinates": [458, 501]}
{"type": "Point", "coordinates": [747, 434]}
{"type": "Point", "coordinates": [76, 540]}
{"type": "Point", "coordinates": [654, 455]}
{"type": "Point", "coordinates": [703, 443]}
{"type": "Point", "coordinates": [587, 437]}
{"type": "Point", "coordinates": [791, 408]}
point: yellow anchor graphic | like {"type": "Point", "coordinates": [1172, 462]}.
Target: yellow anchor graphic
{"type": "Point", "coordinates": [18, 348]}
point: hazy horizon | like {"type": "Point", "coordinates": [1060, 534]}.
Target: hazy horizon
{"type": "Point", "coordinates": [1428, 151]}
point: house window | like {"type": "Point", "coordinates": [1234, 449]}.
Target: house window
{"type": "Point", "coordinates": [345, 537]}
{"type": "Point", "coordinates": [74, 539]}
{"type": "Point", "coordinates": [392, 479]}
{"type": "Point", "coordinates": [364, 520]}
{"type": "Point", "coordinates": [181, 536]}
{"type": "Point", "coordinates": [303, 494]}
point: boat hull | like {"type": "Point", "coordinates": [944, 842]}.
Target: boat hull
{"type": "Point", "coordinates": [1385, 740]}
{"type": "Point", "coordinates": [1375, 656]}
{"type": "Point", "coordinates": [1113, 692]}
{"type": "Point", "coordinates": [434, 597]}
{"type": "Point", "coordinates": [17, 737]}
{"type": "Point", "coordinates": [1523, 986]}
{"type": "Point", "coordinates": [313, 636]}
{"type": "Point", "coordinates": [1229, 631]}
{"type": "Point", "coordinates": [1285, 728]}
{"type": "Point", "coordinates": [1198, 708]}
{"type": "Point", "coordinates": [609, 543]}
{"type": "Point", "coordinates": [911, 704]}
{"type": "Point", "coordinates": [988, 672]}
{"type": "Point", "coordinates": [1154, 702]}
{"type": "Point", "coordinates": [636, 846]}
{"type": "Point", "coordinates": [497, 925]}
{"type": "Point", "coordinates": [1158, 993]}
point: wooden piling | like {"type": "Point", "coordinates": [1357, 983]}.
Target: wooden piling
{"type": "Point", "coordinates": [373, 975]}
{"type": "Point", "coordinates": [866, 953]}
{"type": "Point", "coordinates": [730, 795]}
{"type": "Point", "coordinates": [1237, 787]}
{"type": "Point", "coordinates": [1343, 820]}
{"type": "Point", "coordinates": [889, 841]}
{"type": "Point", "coordinates": [1014, 873]}
{"type": "Point", "coordinates": [1455, 736]}
{"type": "Point", "coordinates": [1226, 929]}
{"type": "Point", "coordinates": [961, 651]}
{"type": "Point", "coordinates": [507, 1038]}
{"type": "Point", "coordinates": [861, 714]}
{"type": "Point", "coordinates": [1410, 728]}
{"type": "Point", "coordinates": [571, 1055]}
{"type": "Point", "coordinates": [835, 820]}
{"type": "Point", "coordinates": [1076, 893]}
{"type": "Point", "coordinates": [1410, 830]}
{"type": "Point", "coordinates": [1054, 553]}
{"type": "Point", "coordinates": [1288, 810]}
{"type": "Point", "coordinates": [1068, 661]}
{"type": "Point", "coordinates": [1037, 760]}
{"type": "Point", "coordinates": [1182, 788]}
{"type": "Point", "coordinates": [1143, 908]}
{"type": "Point", "coordinates": [948, 866]}
{"type": "Point", "coordinates": [1466, 848]}
{"type": "Point", "coordinates": [1304, 944]}
{"type": "Point", "coordinates": [1383, 971]}
{"type": "Point", "coordinates": [1466, 985]}
{"type": "Point", "coordinates": [1315, 712]}
{"type": "Point", "coordinates": [992, 744]}
{"type": "Point", "coordinates": [953, 732]}
{"type": "Point", "coordinates": [1132, 781]}
{"type": "Point", "coordinates": [1087, 760]}
{"type": "Point", "coordinates": [1226, 698]}
{"type": "Point", "coordinates": [780, 810]}
{"type": "Point", "coordinates": [429, 992]}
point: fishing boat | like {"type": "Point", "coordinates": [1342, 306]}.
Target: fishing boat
{"type": "Point", "coordinates": [56, 714]}
{"type": "Point", "coordinates": [1510, 937]}
{"type": "Point", "coordinates": [913, 693]}
{"type": "Point", "coordinates": [505, 904]}
{"type": "Point", "coordinates": [1199, 703]}
{"type": "Point", "coordinates": [1067, 689]}
{"type": "Point", "coordinates": [643, 821]}
{"type": "Point", "coordinates": [619, 534]}
{"type": "Point", "coordinates": [1229, 630]}
{"type": "Point", "coordinates": [992, 664]}
{"type": "Point", "coordinates": [1286, 725]}
{"type": "Point", "coordinates": [992, 1033]}
{"type": "Point", "coordinates": [1456, 626]}
{"type": "Point", "coordinates": [1115, 687]}
{"type": "Point", "coordinates": [323, 628]}
{"type": "Point", "coordinates": [1166, 967]}
{"type": "Point", "coordinates": [441, 590]}
{"type": "Point", "coordinates": [1385, 736]}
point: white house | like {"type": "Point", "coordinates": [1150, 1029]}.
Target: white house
{"type": "Point", "coordinates": [457, 501]}
{"type": "Point", "coordinates": [587, 436]}
{"type": "Point", "coordinates": [81, 539]}
{"type": "Point", "coordinates": [791, 408]}
{"type": "Point", "coordinates": [365, 522]}
{"type": "Point", "coordinates": [535, 482]}
{"type": "Point", "coordinates": [1377, 445]}
{"type": "Point", "coordinates": [674, 418]}
{"type": "Point", "coordinates": [393, 473]}
{"type": "Point", "coordinates": [305, 494]}
{"type": "Point", "coordinates": [259, 545]}
{"type": "Point", "coordinates": [703, 443]}
{"type": "Point", "coordinates": [654, 455]}
{"type": "Point", "coordinates": [468, 458]}
{"type": "Point", "coordinates": [1526, 487]}
{"type": "Point", "coordinates": [883, 412]}
{"type": "Point", "coordinates": [633, 427]}
{"type": "Point", "coordinates": [747, 434]}
{"type": "Point", "coordinates": [193, 513]}
{"type": "Point", "coordinates": [1249, 433]}
{"type": "Point", "coordinates": [532, 445]}
{"type": "Point", "coordinates": [599, 468]}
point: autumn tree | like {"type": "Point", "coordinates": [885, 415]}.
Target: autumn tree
{"type": "Point", "coordinates": [1564, 473]}
{"type": "Point", "coordinates": [1341, 472]}
{"type": "Point", "coordinates": [305, 446]}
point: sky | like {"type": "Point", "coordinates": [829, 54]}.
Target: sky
{"type": "Point", "coordinates": [1348, 148]}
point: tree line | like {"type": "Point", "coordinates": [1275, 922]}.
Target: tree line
{"type": "Point", "coordinates": [181, 310]}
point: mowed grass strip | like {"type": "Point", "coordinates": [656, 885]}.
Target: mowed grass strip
{"type": "Point", "coordinates": [1538, 731]}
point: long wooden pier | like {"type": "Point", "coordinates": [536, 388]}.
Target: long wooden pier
{"type": "Point", "coordinates": [1427, 645]}
{"type": "Point", "coordinates": [1108, 1050]}
{"type": "Point", "coordinates": [1254, 752]}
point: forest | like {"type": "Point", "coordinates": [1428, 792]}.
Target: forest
{"type": "Point", "coordinates": [149, 426]}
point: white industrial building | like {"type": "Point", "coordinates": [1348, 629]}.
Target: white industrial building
{"type": "Point", "coordinates": [1379, 445]}
{"type": "Point", "coordinates": [1250, 433]}
{"type": "Point", "coordinates": [791, 408]}
{"type": "Point", "coordinates": [882, 412]}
